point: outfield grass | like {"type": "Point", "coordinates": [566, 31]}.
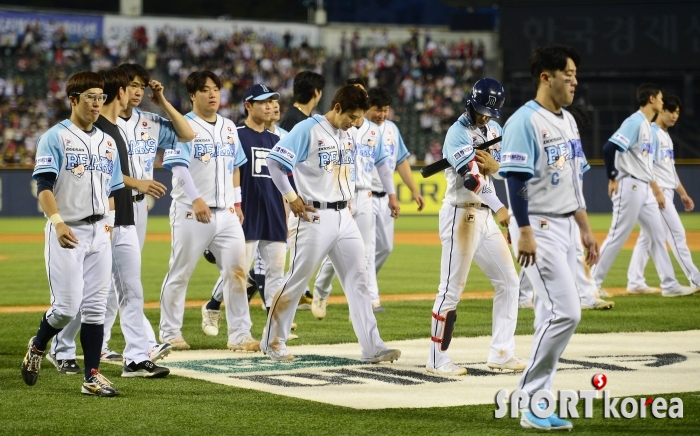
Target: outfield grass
{"type": "Point", "coordinates": [180, 405]}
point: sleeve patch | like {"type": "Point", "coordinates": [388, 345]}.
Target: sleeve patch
{"type": "Point", "coordinates": [170, 153]}
{"type": "Point", "coordinates": [513, 158]}
{"type": "Point", "coordinates": [44, 160]}
{"type": "Point", "coordinates": [622, 138]}
{"type": "Point", "coordinates": [463, 152]}
{"type": "Point", "coordinates": [288, 154]}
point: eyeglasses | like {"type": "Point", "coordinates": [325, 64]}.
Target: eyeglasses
{"type": "Point", "coordinates": [95, 98]}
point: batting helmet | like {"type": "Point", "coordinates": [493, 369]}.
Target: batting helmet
{"type": "Point", "coordinates": [487, 98]}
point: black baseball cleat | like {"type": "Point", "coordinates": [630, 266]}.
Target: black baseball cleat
{"type": "Point", "coordinates": [98, 385]}
{"type": "Point", "coordinates": [65, 366]}
{"type": "Point", "coordinates": [31, 364]}
{"type": "Point", "coordinates": [209, 257]}
{"type": "Point", "coordinates": [144, 369]}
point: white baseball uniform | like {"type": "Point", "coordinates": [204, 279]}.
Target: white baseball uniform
{"type": "Point", "coordinates": [382, 244]}
{"type": "Point", "coordinates": [547, 147]}
{"type": "Point", "coordinates": [634, 202]}
{"type": "Point", "coordinates": [369, 152]}
{"type": "Point", "coordinates": [211, 158]}
{"type": "Point", "coordinates": [323, 162]}
{"type": "Point", "coordinates": [87, 170]}
{"type": "Point", "coordinates": [469, 232]}
{"type": "Point", "coordinates": [667, 179]}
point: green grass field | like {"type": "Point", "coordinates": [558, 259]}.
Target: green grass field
{"type": "Point", "coordinates": [179, 405]}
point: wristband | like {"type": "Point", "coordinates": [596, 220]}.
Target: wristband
{"type": "Point", "coordinates": [110, 218]}
{"type": "Point", "coordinates": [238, 205]}
{"type": "Point", "coordinates": [237, 198]}
{"type": "Point", "coordinates": [56, 219]}
{"type": "Point", "coordinates": [291, 196]}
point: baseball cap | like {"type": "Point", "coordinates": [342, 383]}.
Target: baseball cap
{"type": "Point", "coordinates": [259, 92]}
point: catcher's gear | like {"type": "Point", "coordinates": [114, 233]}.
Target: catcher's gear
{"type": "Point", "coordinates": [444, 334]}
{"type": "Point", "coordinates": [209, 256]}
{"type": "Point", "coordinates": [487, 98]}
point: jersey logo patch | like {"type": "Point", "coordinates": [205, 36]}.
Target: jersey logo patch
{"type": "Point", "coordinates": [557, 155]}
{"type": "Point", "coordinates": [44, 160]}
{"type": "Point", "coordinates": [646, 148]}
{"type": "Point", "coordinates": [78, 163]}
{"type": "Point", "coordinates": [169, 153]}
{"type": "Point", "coordinates": [470, 218]}
{"type": "Point", "coordinates": [287, 154]}
{"type": "Point", "coordinates": [544, 225]}
{"type": "Point", "coordinates": [259, 165]}
{"type": "Point", "coordinates": [316, 219]}
{"type": "Point", "coordinates": [463, 152]}
{"type": "Point", "coordinates": [622, 138]}
{"type": "Point", "coordinates": [188, 215]}
{"type": "Point", "coordinates": [666, 155]}
{"type": "Point", "coordinates": [515, 158]}
{"type": "Point", "coordinates": [328, 160]}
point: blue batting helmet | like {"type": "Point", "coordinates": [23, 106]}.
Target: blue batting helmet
{"type": "Point", "coordinates": [487, 98]}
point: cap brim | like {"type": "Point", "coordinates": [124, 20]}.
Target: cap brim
{"type": "Point", "coordinates": [273, 95]}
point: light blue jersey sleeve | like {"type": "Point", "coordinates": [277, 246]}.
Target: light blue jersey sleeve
{"type": "Point", "coordinates": [402, 153]}
{"type": "Point", "coordinates": [655, 142]}
{"type": "Point", "coordinates": [117, 181]}
{"type": "Point", "coordinates": [380, 155]}
{"type": "Point", "coordinates": [181, 154]}
{"type": "Point", "coordinates": [49, 154]}
{"type": "Point", "coordinates": [241, 158]}
{"type": "Point", "coordinates": [519, 148]}
{"type": "Point", "coordinates": [167, 137]}
{"type": "Point", "coordinates": [628, 133]}
{"type": "Point", "coordinates": [458, 147]}
{"type": "Point", "coordinates": [294, 147]}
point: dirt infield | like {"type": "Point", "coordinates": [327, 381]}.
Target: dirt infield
{"type": "Point", "coordinates": [402, 238]}
{"type": "Point", "coordinates": [334, 299]}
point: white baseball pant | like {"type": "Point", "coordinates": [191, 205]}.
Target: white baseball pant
{"type": "Point", "coordinates": [269, 258]}
{"type": "Point", "coordinates": [382, 244]}
{"type": "Point", "coordinates": [675, 236]}
{"type": "Point", "coordinates": [127, 287]}
{"type": "Point", "coordinates": [557, 305]}
{"type": "Point", "coordinates": [470, 233]}
{"type": "Point", "coordinates": [634, 202]}
{"type": "Point", "coordinates": [362, 211]}
{"type": "Point", "coordinates": [224, 237]}
{"type": "Point", "coordinates": [79, 277]}
{"type": "Point", "coordinates": [587, 291]}
{"type": "Point", "coordinates": [336, 234]}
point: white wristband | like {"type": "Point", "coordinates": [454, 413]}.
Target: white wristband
{"type": "Point", "coordinates": [110, 218]}
{"type": "Point", "coordinates": [291, 196]}
{"type": "Point", "coordinates": [56, 219]}
{"type": "Point", "coordinates": [237, 196]}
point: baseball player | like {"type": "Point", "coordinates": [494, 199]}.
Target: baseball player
{"type": "Point", "coordinates": [543, 163]}
{"type": "Point", "coordinates": [668, 181]}
{"type": "Point", "coordinates": [468, 231]}
{"type": "Point", "coordinates": [206, 212]}
{"type": "Point", "coordinates": [77, 168]}
{"type": "Point", "coordinates": [320, 152]}
{"type": "Point", "coordinates": [265, 228]}
{"type": "Point", "coordinates": [145, 132]}
{"type": "Point", "coordinates": [629, 162]}
{"type": "Point", "coordinates": [383, 242]}
{"type": "Point", "coordinates": [369, 152]}
{"type": "Point", "coordinates": [126, 258]}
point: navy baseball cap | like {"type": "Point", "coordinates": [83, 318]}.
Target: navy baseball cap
{"type": "Point", "coordinates": [260, 92]}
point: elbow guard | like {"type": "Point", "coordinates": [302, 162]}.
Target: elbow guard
{"type": "Point", "coordinates": [471, 181]}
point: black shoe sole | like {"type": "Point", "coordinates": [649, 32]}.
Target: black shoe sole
{"type": "Point", "coordinates": [29, 378]}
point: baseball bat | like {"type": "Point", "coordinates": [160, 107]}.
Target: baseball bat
{"type": "Point", "coordinates": [443, 164]}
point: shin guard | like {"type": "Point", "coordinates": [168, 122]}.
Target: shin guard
{"type": "Point", "coordinates": [445, 327]}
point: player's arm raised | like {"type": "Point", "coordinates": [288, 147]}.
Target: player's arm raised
{"type": "Point", "coordinates": [181, 126]}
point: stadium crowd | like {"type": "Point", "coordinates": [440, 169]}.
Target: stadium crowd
{"type": "Point", "coordinates": [429, 79]}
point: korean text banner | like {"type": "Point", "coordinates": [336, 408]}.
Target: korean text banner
{"type": "Point", "coordinates": [76, 27]}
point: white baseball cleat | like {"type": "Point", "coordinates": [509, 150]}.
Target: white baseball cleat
{"type": "Point", "coordinates": [526, 305]}
{"type": "Point", "coordinates": [245, 344]}
{"type": "Point", "coordinates": [108, 355]}
{"type": "Point", "coordinates": [681, 291]}
{"type": "Point", "coordinates": [386, 355]}
{"type": "Point", "coordinates": [318, 307]}
{"type": "Point", "coordinates": [513, 364]}
{"type": "Point", "coordinates": [448, 370]}
{"type": "Point", "coordinates": [644, 290]}
{"type": "Point", "coordinates": [178, 343]}
{"type": "Point", "coordinates": [210, 321]}
{"type": "Point", "coordinates": [602, 293]}
{"type": "Point", "coordinates": [280, 355]}
{"type": "Point", "coordinates": [159, 351]}
{"type": "Point", "coordinates": [599, 304]}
